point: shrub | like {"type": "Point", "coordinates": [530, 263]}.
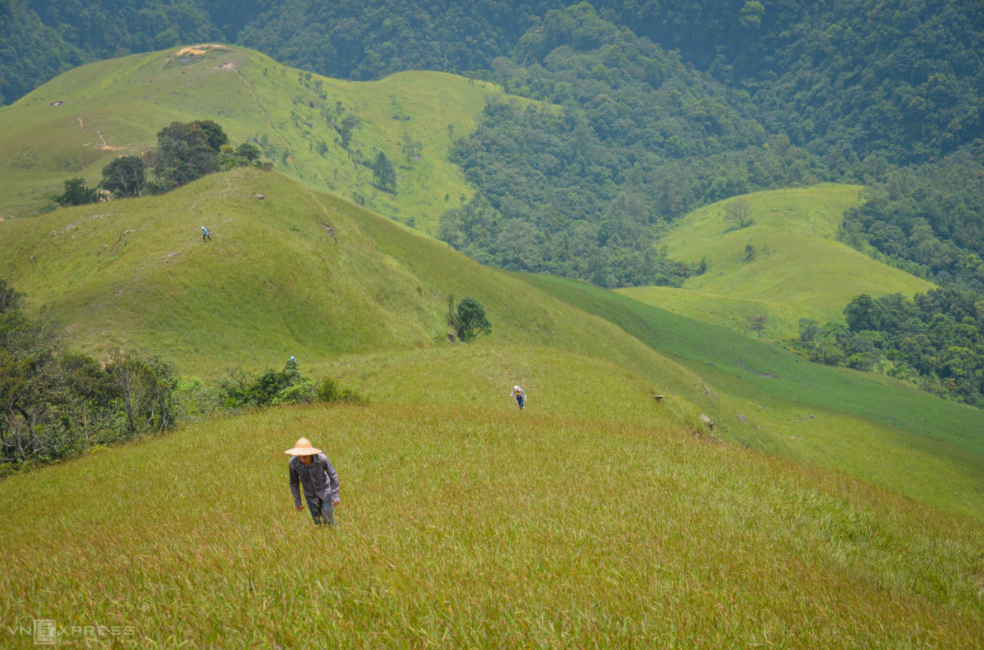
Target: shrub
{"type": "Point", "coordinates": [303, 392]}
{"type": "Point", "coordinates": [77, 193]}
{"type": "Point", "coordinates": [328, 390]}
{"type": "Point", "coordinates": [468, 318]}
{"type": "Point", "coordinates": [125, 176]}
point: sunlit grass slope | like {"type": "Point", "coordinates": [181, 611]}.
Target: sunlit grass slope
{"type": "Point", "coordinates": [865, 425]}
{"type": "Point", "coordinates": [298, 273]}
{"type": "Point", "coordinates": [472, 527]}
{"type": "Point", "coordinates": [116, 107]}
{"type": "Point", "coordinates": [348, 292]}
{"type": "Point", "coordinates": [800, 269]}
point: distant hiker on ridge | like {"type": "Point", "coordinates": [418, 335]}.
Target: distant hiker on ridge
{"type": "Point", "coordinates": [206, 235]}
{"type": "Point", "coordinates": [310, 468]}
{"type": "Point", "coordinates": [520, 396]}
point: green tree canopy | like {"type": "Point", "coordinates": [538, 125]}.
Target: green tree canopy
{"type": "Point", "coordinates": [468, 318]}
{"type": "Point", "coordinates": [383, 173]}
{"type": "Point", "coordinates": [125, 176]}
{"type": "Point", "coordinates": [77, 193]}
{"type": "Point", "coordinates": [186, 152]}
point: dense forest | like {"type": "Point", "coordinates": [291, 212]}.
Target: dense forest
{"type": "Point", "coordinates": [638, 140]}
{"type": "Point", "coordinates": [672, 104]}
{"type": "Point", "coordinates": [934, 339]}
{"type": "Point", "coordinates": [927, 219]}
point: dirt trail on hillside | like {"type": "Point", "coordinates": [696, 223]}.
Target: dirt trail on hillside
{"type": "Point", "coordinates": [105, 145]}
{"type": "Point", "coordinates": [231, 66]}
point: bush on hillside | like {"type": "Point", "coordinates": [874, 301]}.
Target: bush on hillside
{"type": "Point", "coordinates": [935, 340]}
{"type": "Point", "coordinates": [468, 318]}
{"type": "Point", "coordinates": [383, 173]}
{"type": "Point", "coordinates": [55, 403]}
{"type": "Point", "coordinates": [186, 152]}
{"type": "Point", "coordinates": [77, 193]}
{"type": "Point", "coordinates": [287, 386]}
{"type": "Point", "coordinates": [328, 390]}
{"type": "Point", "coordinates": [125, 176]}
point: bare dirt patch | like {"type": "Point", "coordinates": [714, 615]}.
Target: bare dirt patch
{"type": "Point", "coordinates": [199, 50]}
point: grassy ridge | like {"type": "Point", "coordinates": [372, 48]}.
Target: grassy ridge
{"type": "Point", "coordinates": [299, 272]}
{"type": "Point", "coordinates": [369, 308]}
{"type": "Point", "coordinates": [800, 269]}
{"type": "Point", "coordinates": [116, 107]}
{"type": "Point", "coordinates": [474, 527]}
{"type": "Point", "coordinates": [865, 425]}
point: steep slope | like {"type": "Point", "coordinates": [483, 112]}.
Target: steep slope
{"type": "Point", "coordinates": [304, 273]}
{"type": "Point", "coordinates": [116, 107]}
{"type": "Point", "coordinates": [866, 425]}
{"type": "Point", "coordinates": [298, 272]}
{"type": "Point", "coordinates": [799, 270]}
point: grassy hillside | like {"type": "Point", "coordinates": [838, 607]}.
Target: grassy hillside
{"type": "Point", "coordinates": [863, 424]}
{"type": "Point", "coordinates": [800, 270]}
{"type": "Point", "coordinates": [116, 107]}
{"type": "Point", "coordinates": [479, 528]}
{"type": "Point", "coordinates": [299, 272]}
{"type": "Point", "coordinates": [304, 273]}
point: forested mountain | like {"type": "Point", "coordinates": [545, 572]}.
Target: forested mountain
{"type": "Point", "coordinates": [927, 219]}
{"type": "Point", "coordinates": [844, 78]}
{"type": "Point", "coordinates": [640, 139]}
{"type": "Point", "coordinates": [853, 90]}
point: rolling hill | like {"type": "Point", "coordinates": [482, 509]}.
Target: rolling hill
{"type": "Point", "coordinates": [116, 107]}
{"type": "Point", "coordinates": [864, 424]}
{"type": "Point", "coordinates": [800, 270]}
{"type": "Point", "coordinates": [825, 507]}
{"type": "Point", "coordinates": [298, 272]}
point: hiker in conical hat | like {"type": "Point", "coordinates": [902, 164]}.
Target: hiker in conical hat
{"type": "Point", "coordinates": [520, 396]}
{"type": "Point", "coordinates": [312, 469]}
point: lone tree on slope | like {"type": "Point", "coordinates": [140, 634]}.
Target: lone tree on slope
{"type": "Point", "coordinates": [125, 176]}
{"type": "Point", "coordinates": [739, 211]}
{"type": "Point", "coordinates": [468, 318]}
{"type": "Point", "coordinates": [383, 173]}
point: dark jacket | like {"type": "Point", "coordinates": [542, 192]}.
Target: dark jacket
{"type": "Point", "coordinates": [319, 479]}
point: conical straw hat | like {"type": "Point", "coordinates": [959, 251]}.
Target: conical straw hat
{"type": "Point", "coordinates": [302, 448]}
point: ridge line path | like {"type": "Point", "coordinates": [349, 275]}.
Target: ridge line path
{"type": "Point", "coordinates": [231, 66]}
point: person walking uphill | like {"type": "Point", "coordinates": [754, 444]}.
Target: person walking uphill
{"type": "Point", "coordinates": [520, 396]}
{"type": "Point", "coordinates": [310, 468]}
{"type": "Point", "coordinates": [206, 235]}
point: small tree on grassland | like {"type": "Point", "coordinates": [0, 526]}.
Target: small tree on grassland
{"type": "Point", "coordinates": [756, 324]}
{"type": "Point", "coordinates": [383, 173]}
{"type": "Point", "coordinates": [468, 318]}
{"type": "Point", "coordinates": [739, 211]}
{"type": "Point", "coordinates": [125, 176]}
{"type": "Point", "coordinates": [10, 300]}
{"type": "Point", "coordinates": [77, 193]}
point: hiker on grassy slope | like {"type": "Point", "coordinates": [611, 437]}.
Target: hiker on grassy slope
{"type": "Point", "coordinates": [206, 235]}
{"type": "Point", "coordinates": [310, 468]}
{"type": "Point", "coordinates": [520, 396]}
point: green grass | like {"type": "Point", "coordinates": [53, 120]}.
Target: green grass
{"type": "Point", "coordinates": [474, 527]}
{"type": "Point", "coordinates": [128, 100]}
{"type": "Point", "coordinates": [862, 424]}
{"type": "Point", "coordinates": [369, 308]}
{"type": "Point", "coordinates": [800, 269]}
{"type": "Point", "coordinates": [594, 518]}
{"type": "Point", "coordinates": [273, 282]}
